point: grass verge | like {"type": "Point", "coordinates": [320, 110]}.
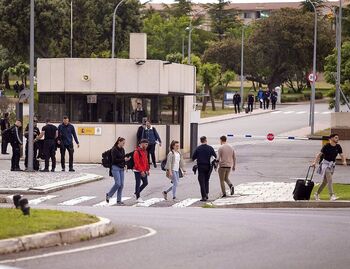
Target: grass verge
{"type": "Point", "coordinates": [342, 191]}
{"type": "Point", "coordinates": [218, 112]}
{"type": "Point", "coordinates": [325, 132]}
{"type": "Point", "coordinates": [14, 224]}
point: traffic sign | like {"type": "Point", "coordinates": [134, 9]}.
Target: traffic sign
{"type": "Point", "coordinates": [270, 137]}
{"type": "Point", "coordinates": [310, 77]}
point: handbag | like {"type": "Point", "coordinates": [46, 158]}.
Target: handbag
{"type": "Point", "coordinates": [181, 173]}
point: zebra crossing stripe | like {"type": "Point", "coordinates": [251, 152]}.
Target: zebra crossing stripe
{"type": "Point", "coordinates": [149, 202]}
{"type": "Point", "coordinates": [288, 112]}
{"type": "Point", "coordinates": [186, 202]}
{"type": "Point", "coordinates": [78, 200]}
{"type": "Point", "coordinates": [316, 112]}
{"type": "Point", "coordinates": [41, 199]}
{"type": "Point", "coordinates": [276, 112]}
{"type": "Point", "coordinates": [327, 112]}
{"type": "Point", "coordinates": [112, 202]}
{"type": "Point", "coordinates": [301, 112]}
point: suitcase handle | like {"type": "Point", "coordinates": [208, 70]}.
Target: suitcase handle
{"type": "Point", "coordinates": [308, 172]}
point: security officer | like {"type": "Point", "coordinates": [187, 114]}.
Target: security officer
{"type": "Point", "coordinates": [16, 144]}
{"type": "Point", "coordinates": [50, 132]}
{"type": "Point", "coordinates": [36, 132]}
{"type": "Point", "coordinates": [5, 124]}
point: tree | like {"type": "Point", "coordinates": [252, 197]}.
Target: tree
{"type": "Point", "coordinates": [21, 70]}
{"type": "Point", "coordinates": [5, 63]}
{"type": "Point", "coordinates": [174, 57]}
{"type": "Point", "coordinates": [179, 8]}
{"type": "Point", "coordinates": [227, 77]}
{"type": "Point", "coordinates": [222, 17]}
{"type": "Point", "coordinates": [307, 6]}
{"type": "Point", "coordinates": [195, 60]}
{"type": "Point", "coordinates": [209, 74]}
{"type": "Point", "coordinates": [331, 69]}
{"type": "Point", "coordinates": [279, 49]}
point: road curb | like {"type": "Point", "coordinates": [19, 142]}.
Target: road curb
{"type": "Point", "coordinates": [230, 117]}
{"type": "Point", "coordinates": [52, 187]}
{"type": "Point", "coordinates": [290, 204]}
{"type": "Point", "coordinates": [48, 239]}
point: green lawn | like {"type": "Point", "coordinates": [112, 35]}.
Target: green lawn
{"type": "Point", "coordinates": [14, 224]}
{"type": "Point", "coordinates": [218, 112]}
{"type": "Point", "coordinates": [342, 191]}
{"type": "Point", "coordinates": [325, 132]}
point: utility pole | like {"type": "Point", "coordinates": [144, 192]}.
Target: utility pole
{"type": "Point", "coordinates": [242, 68]}
{"type": "Point", "coordinates": [338, 33]}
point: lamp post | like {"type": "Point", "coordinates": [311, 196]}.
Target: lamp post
{"type": "Point", "coordinates": [190, 29]}
{"type": "Point", "coordinates": [242, 63]}
{"type": "Point", "coordinates": [71, 29]}
{"type": "Point", "coordinates": [31, 95]}
{"type": "Point", "coordinates": [312, 99]}
{"type": "Point", "coordinates": [113, 28]}
{"type": "Point", "coordinates": [338, 33]}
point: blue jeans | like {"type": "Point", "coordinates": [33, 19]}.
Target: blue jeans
{"type": "Point", "coordinates": [138, 188]}
{"type": "Point", "coordinates": [175, 180]}
{"type": "Point", "coordinates": [118, 174]}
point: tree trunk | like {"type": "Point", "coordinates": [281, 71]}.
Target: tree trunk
{"type": "Point", "coordinates": [205, 98]}
{"type": "Point", "coordinates": [7, 81]}
{"type": "Point", "coordinates": [212, 99]}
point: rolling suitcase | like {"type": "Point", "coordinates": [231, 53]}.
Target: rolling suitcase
{"type": "Point", "coordinates": [304, 186]}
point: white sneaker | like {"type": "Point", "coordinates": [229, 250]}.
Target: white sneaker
{"type": "Point", "coordinates": [140, 200]}
{"type": "Point", "coordinates": [333, 197]}
{"type": "Point", "coordinates": [317, 197]}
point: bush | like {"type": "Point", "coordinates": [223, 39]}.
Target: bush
{"type": "Point", "coordinates": [318, 95]}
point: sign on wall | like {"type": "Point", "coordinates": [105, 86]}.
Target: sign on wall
{"type": "Point", "coordinates": [92, 99]}
{"type": "Point", "coordinates": [89, 130]}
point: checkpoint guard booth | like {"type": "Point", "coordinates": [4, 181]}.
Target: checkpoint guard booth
{"type": "Point", "coordinates": [100, 97]}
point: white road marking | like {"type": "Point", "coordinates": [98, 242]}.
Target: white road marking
{"type": "Point", "coordinates": [276, 112]}
{"type": "Point", "coordinates": [186, 202]}
{"type": "Point", "coordinates": [316, 112]}
{"type": "Point", "coordinates": [288, 112]}
{"type": "Point", "coordinates": [41, 199]}
{"type": "Point", "coordinates": [112, 201]}
{"type": "Point", "coordinates": [150, 233]}
{"type": "Point", "coordinates": [149, 202]}
{"type": "Point", "coordinates": [78, 200]}
{"type": "Point", "coordinates": [326, 112]}
{"type": "Point", "coordinates": [301, 112]}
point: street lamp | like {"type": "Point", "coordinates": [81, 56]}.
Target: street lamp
{"type": "Point", "coordinates": [31, 96]}
{"type": "Point", "coordinates": [113, 28]}
{"type": "Point", "coordinates": [71, 28]}
{"type": "Point", "coordinates": [242, 62]}
{"type": "Point", "coordinates": [189, 29]}
{"type": "Point", "coordinates": [312, 99]}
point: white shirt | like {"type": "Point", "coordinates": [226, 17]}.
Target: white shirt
{"type": "Point", "coordinates": [177, 161]}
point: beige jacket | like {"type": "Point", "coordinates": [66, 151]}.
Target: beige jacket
{"type": "Point", "coordinates": [171, 160]}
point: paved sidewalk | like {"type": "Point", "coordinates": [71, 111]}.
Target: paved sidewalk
{"type": "Point", "coordinates": [255, 112]}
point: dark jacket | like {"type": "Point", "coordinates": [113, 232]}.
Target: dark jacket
{"type": "Point", "coordinates": [151, 135]}
{"type": "Point", "coordinates": [66, 134]}
{"type": "Point", "coordinates": [139, 133]}
{"type": "Point", "coordinates": [138, 115]}
{"type": "Point", "coordinates": [237, 98]}
{"type": "Point", "coordinates": [16, 135]}
{"type": "Point", "coordinates": [203, 153]}
{"type": "Point", "coordinates": [118, 157]}
{"type": "Point", "coordinates": [5, 124]}
{"type": "Point", "coordinates": [36, 132]}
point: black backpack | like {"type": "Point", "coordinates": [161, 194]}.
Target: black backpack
{"type": "Point", "coordinates": [163, 164]}
{"type": "Point", "coordinates": [131, 163]}
{"type": "Point", "coordinates": [107, 158]}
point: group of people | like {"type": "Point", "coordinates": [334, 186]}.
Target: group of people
{"type": "Point", "coordinates": [263, 97]}
{"type": "Point", "coordinates": [174, 167]}
{"type": "Point", "coordinates": [45, 143]}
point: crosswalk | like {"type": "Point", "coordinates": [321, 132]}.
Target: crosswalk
{"type": "Point", "coordinates": [299, 112]}
{"type": "Point", "coordinates": [129, 201]}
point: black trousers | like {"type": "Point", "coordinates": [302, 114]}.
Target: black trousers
{"type": "Point", "coordinates": [150, 150]}
{"type": "Point", "coordinates": [273, 104]}
{"type": "Point", "coordinates": [35, 148]}
{"type": "Point", "coordinates": [4, 144]}
{"type": "Point", "coordinates": [204, 172]}
{"type": "Point", "coordinates": [261, 104]}
{"type": "Point", "coordinates": [16, 155]}
{"type": "Point", "coordinates": [138, 187]}
{"type": "Point", "coordinates": [250, 107]}
{"type": "Point", "coordinates": [237, 108]}
{"type": "Point", "coordinates": [50, 152]}
{"type": "Point", "coordinates": [264, 102]}
{"type": "Point", "coordinates": [70, 149]}
{"type": "Point", "coordinates": [267, 103]}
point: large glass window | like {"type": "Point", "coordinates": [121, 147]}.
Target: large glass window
{"type": "Point", "coordinates": [51, 107]}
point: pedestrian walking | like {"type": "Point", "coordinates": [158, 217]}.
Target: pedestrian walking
{"type": "Point", "coordinates": [16, 89]}
{"type": "Point", "coordinates": [203, 155]}
{"type": "Point", "coordinates": [267, 95]}
{"type": "Point", "coordinates": [237, 102]}
{"type": "Point", "coordinates": [227, 162]}
{"type": "Point", "coordinates": [36, 133]}
{"type": "Point", "coordinates": [175, 168]}
{"type": "Point", "coordinates": [151, 135]}
{"type": "Point", "coordinates": [140, 132]}
{"type": "Point", "coordinates": [326, 159]}
{"type": "Point", "coordinates": [50, 133]}
{"type": "Point", "coordinates": [16, 144]}
{"type": "Point", "coordinates": [141, 168]}
{"type": "Point", "coordinates": [4, 124]}
{"type": "Point", "coordinates": [260, 97]}
{"type": "Point", "coordinates": [274, 96]}
{"type": "Point", "coordinates": [250, 100]}
{"type": "Point", "coordinates": [139, 114]}
{"type": "Point", "coordinates": [66, 133]}
{"type": "Point", "coordinates": [118, 167]}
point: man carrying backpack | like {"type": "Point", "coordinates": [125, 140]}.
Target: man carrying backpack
{"type": "Point", "coordinates": [16, 144]}
{"type": "Point", "coordinates": [141, 168]}
{"type": "Point", "coordinates": [151, 135]}
{"type": "Point", "coordinates": [5, 124]}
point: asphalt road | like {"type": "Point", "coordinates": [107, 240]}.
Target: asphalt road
{"type": "Point", "coordinates": [211, 238]}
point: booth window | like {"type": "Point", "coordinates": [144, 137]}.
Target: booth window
{"type": "Point", "coordinates": [52, 106]}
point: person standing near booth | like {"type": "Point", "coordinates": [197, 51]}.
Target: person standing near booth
{"type": "Point", "coordinates": [5, 124]}
{"type": "Point", "coordinates": [274, 96]}
{"type": "Point", "coordinates": [237, 102]}
{"type": "Point", "coordinates": [150, 133]}
{"type": "Point", "coordinates": [16, 144]}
